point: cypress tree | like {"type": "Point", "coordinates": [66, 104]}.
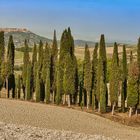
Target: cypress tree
{"type": "Point", "coordinates": [138, 53]}
{"type": "Point", "coordinates": [2, 48]}
{"type": "Point", "coordinates": [40, 55]}
{"type": "Point", "coordinates": [47, 87]}
{"type": "Point", "coordinates": [124, 79]}
{"type": "Point", "coordinates": [102, 93]}
{"type": "Point", "coordinates": [10, 56]}
{"type": "Point", "coordinates": [133, 87]}
{"type": "Point", "coordinates": [101, 77]}
{"type": "Point", "coordinates": [37, 89]}
{"type": "Point", "coordinates": [58, 91]}
{"type": "Point", "coordinates": [46, 62]}
{"type": "Point", "coordinates": [76, 80]}
{"type": "Point", "coordinates": [87, 74]}
{"type": "Point", "coordinates": [10, 67]}
{"type": "Point", "coordinates": [66, 48]}
{"type": "Point", "coordinates": [69, 77]}
{"type": "Point", "coordinates": [71, 42]}
{"type": "Point", "coordinates": [138, 61]}
{"type": "Point", "coordinates": [34, 56]}
{"type": "Point", "coordinates": [54, 54]}
{"type": "Point", "coordinates": [26, 60]}
{"type": "Point", "coordinates": [94, 74]}
{"type": "Point", "coordinates": [28, 83]}
{"type": "Point", "coordinates": [33, 69]}
{"type": "Point", "coordinates": [114, 78]}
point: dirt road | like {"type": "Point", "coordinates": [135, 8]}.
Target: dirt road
{"type": "Point", "coordinates": [62, 119]}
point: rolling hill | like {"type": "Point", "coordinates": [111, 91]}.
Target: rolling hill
{"type": "Point", "coordinates": [20, 34]}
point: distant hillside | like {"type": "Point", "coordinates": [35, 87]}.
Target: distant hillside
{"type": "Point", "coordinates": [20, 35]}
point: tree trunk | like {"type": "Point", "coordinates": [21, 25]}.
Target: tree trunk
{"type": "Point", "coordinates": [68, 100]}
{"type": "Point", "coordinates": [64, 99]}
{"type": "Point", "coordinates": [99, 109]}
{"type": "Point", "coordinates": [130, 112]}
{"type": "Point", "coordinates": [87, 100]}
{"type": "Point", "coordinates": [53, 97]}
{"type": "Point", "coordinates": [113, 108]}
{"type": "Point", "coordinates": [7, 91]}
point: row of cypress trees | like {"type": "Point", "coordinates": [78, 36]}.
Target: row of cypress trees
{"type": "Point", "coordinates": [54, 76]}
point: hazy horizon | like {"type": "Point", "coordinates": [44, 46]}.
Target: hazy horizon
{"type": "Point", "coordinates": [87, 18]}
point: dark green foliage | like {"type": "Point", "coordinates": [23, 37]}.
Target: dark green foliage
{"type": "Point", "coordinates": [11, 84]}
{"type": "Point", "coordinates": [76, 80]}
{"type": "Point", "coordinates": [2, 49]}
{"type": "Point", "coordinates": [138, 61]}
{"type": "Point", "coordinates": [101, 93]}
{"type": "Point", "coordinates": [124, 79]}
{"type": "Point", "coordinates": [46, 62]}
{"type": "Point", "coordinates": [3, 71]}
{"type": "Point", "coordinates": [54, 54]}
{"type": "Point", "coordinates": [66, 48]}
{"type": "Point", "coordinates": [47, 87]}
{"type": "Point", "coordinates": [138, 53]}
{"type": "Point", "coordinates": [28, 83]}
{"type": "Point", "coordinates": [94, 74]}
{"type": "Point", "coordinates": [26, 60]}
{"type": "Point", "coordinates": [87, 70]}
{"type": "Point", "coordinates": [101, 87]}
{"type": "Point", "coordinates": [58, 90]}
{"type": "Point", "coordinates": [102, 54]}
{"type": "Point", "coordinates": [34, 56]}
{"type": "Point", "coordinates": [133, 90]}
{"type": "Point", "coordinates": [40, 55]}
{"type": "Point", "coordinates": [87, 74]}
{"type": "Point", "coordinates": [37, 89]}
{"type": "Point", "coordinates": [114, 76]}
{"type": "Point", "coordinates": [10, 56]}
{"type": "Point", "coordinates": [69, 76]}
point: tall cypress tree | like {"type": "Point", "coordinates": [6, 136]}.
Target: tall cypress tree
{"type": "Point", "coordinates": [58, 90]}
{"type": "Point", "coordinates": [138, 61]}
{"type": "Point", "coordinates": [94, 75]}
{"type": "Point", "coordinates": [87, 74]}
{"type": "Point", "coordinates": [10, 67]}
{"type": "Point", "coordinates": [34, 56]}
{"type": "Point", "coordinates": [26, 60]}
{"type": "Point", "coordinates": [101, 76]}
{"type": "Point", "coordinates": [33, 69]}
{"type": "Point", "coordinates": [124, 79]}
{"type": "Point", "coordinates": [47, 87]}
{"type": "Point", "coordinates": [2, 49]}
{"type": "Point", "coordinates": [133, 87]}
{"type": "Point", "coordinates": [40, 55]}
{"type": "Point", "coordinates": [114, 78]}
{"type": "Point", "coordinates": [28, 83]}
{"type": "Point", "coordinates": [37, 89]}
{"type": "Point", "coordinates": [10, 56]}
{"type": "Point", "coordinates": [69, 77]}
{"type": "Point", "coordinates": [46, 62]}
{"type": "Point", "coordinates": [54, 54]}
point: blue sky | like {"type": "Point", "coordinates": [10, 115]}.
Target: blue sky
{"type": "Point", "coordinates": [117, 19]}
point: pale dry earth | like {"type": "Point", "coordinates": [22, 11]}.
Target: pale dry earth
{"type": "Point", "coordinates": [26, 120]}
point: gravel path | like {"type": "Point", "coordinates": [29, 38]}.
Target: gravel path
{"type": "Point", "coordinates": [35, 119]}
